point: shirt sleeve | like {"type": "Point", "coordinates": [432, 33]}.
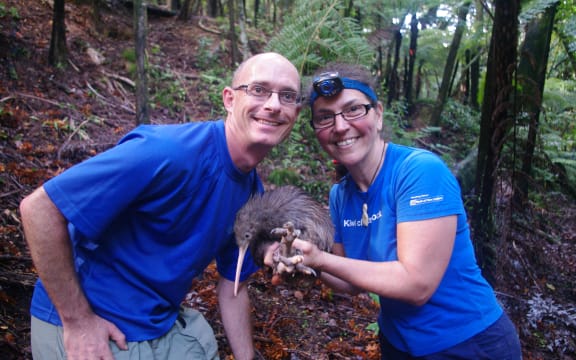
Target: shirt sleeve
{"type": "Point", "coordinates": [426, 189]}
{"type": "Point", "coordinates": [335, 204]}
{"type": "Point", "coordinates": [92, 194]}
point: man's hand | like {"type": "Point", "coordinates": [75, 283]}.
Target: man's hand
{"type": "Point", "coordinates": [89, 339]}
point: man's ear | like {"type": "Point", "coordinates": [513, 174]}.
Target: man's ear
{"type": "Point", "coordinates": [228, 98]}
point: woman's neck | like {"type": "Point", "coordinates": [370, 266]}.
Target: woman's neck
{"type": "Point", "coordinates": [365, 174]}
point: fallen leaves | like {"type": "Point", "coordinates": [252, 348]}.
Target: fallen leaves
{"type": "Point", "coordinates": [290, 323]}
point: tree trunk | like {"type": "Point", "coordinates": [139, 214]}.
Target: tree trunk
{"type": "Point", "coordinates": [409, 80]}
{"type": "Point", "coordinates": [245, 48]}
{"type": "Point", "coordinates": [531, 78]}
{"type": "Point", "coordinates": [96, 16]}
{"type": "Point", "coordinates": [174, 5]}
{"type": "Point", "coordinates": [496, 121]}
{"type": "Point", "coordinates": [392, 76]}
{"type": "Point", "coordinates": [184, 13]}
{"type": "Point", "coordinates": [140, 27]}
{"type": "Point", "coordinates": [466, 79]}
{"type": "Point", "coordinates": [348, 9]}
{"type": "Point", "coordinates": [213, 8]}
{"type": "Point", "coordinates": [443, 92]}
{"type": "Point", "coordinates": [234, 53]}
{"type": "Point", "coordinates": [256, 9]}
{"type": "Point", "coordinates": [274, 15]}
{"type": "Point", "coordinates": [58, 52]}
{"type": "Point", "coordinates": [474, 79]}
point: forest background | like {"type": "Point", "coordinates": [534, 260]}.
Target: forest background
{"type": "Point", "coordinates": [487, 85]}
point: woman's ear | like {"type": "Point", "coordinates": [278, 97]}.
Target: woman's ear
{"type": "Point", "coordinates": [379, 108]}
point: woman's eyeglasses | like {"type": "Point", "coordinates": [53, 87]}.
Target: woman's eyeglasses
{"type": "Point", "coordinates": [349, 113]}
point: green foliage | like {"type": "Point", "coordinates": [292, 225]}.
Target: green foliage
{"type": "Point", "coordinates": [299, 161]}
{"type": "Point", "coordinates": [461, 119]}
{"type": "Point", "coordinates": [129, 56]}
{"type": "Point", "coordinates": [374, 326]}
{"type": "Point", "coordinates": [204, 56]}
{"type": "Point", "coordinates": [432, 52]}
{"type": "Point", "coordinates": [557, 136]}
{"type": "Point", "coordinates": [559, 148]}
{"type": "Point", "coordinates": [534, 8]}
{"type": "Point", "coordinates": [213, 82]}
{"type": "Point", "coordinates": [559, 95]}
{"type": "Point", "coordinates": [283, 176]}
{"type": "Point", "coordinates": [11, 12]}
{"type": "Point", "coordinates": [316, 33]}
{"type": "Point", "coordinates": [166, 89]}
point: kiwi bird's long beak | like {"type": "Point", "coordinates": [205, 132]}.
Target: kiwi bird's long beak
{"type": "Point", "coordinates": [241, 253]}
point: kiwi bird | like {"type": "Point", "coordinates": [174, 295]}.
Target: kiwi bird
{"type": "Point", "coordinates": [282, 214]}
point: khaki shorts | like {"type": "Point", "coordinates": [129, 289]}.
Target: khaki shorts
{"type": "Point", "coordinates": [191, 337]}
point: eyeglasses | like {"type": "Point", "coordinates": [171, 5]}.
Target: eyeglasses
{"type": "Point", "coordinates": [349, 113]}
{"type": "Point", "coordinates": [286, 97]}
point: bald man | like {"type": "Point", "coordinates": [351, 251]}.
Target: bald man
{"type": "Point", "coordinates": [118, 238]}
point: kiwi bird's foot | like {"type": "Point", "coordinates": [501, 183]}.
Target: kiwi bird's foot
{"type": "Point", "coordinates": [290, 261]}
{"type": "Point", "coordinates": [292, 264]}
{"type": "Point", "coordinates": [287, 232]}
{"type": "Point", "coordinates": [305, 270]}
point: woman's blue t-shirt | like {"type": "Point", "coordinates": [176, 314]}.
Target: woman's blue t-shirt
{"type": "Point", "coordinates": [416, 185]}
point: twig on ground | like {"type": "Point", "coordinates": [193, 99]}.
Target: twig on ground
{"type": "Point", "coordinates": [203, 27]}
{"type": "Point", "coordinates": [118, 77]}
{"type": "Point", "coordinates": [108, 101]}
{"type": "Point", "coordinates": [76, 130]}
{"type": "Point", "coordinates": [38, 98]}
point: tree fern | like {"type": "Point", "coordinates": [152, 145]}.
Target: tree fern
{"type": "Point", "coordinates": [534, 8]}
{"type": "Point", "coordinates": [316, 33]}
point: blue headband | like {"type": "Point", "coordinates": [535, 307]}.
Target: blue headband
{"type": "Point", "coordinates": [339, 85]}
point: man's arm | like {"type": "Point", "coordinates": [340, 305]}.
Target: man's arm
{"type": "Point", "coordinates": [86, 335]}
{"type": "Point", "coordinates": [237, 318]}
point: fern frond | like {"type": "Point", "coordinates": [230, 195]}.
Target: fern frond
{"type": "Point", "coordinates": [317, 33]}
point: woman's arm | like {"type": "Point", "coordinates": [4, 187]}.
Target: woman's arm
{"type": "Point", "coordinates": [424, 250]}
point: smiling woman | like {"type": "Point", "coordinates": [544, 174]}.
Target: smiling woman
{"type": "Point", "coordinates": [401, 234]}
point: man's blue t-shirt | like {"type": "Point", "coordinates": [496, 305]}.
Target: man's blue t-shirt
{"type": "Point", "coordinates": [416, 185]}
{"type": "Point", "coordinates": [145, 218]}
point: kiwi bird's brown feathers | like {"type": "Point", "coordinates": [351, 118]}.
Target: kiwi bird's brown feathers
{"type": "Point", "coordinates": [273, 209]}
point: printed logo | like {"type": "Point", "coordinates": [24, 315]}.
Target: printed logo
{"type": "Point", "coordinates": [354, 223]}
{"type": "Point", "coordinates": [425, 199]}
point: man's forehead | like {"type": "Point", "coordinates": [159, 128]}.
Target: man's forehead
{"type": "Point", "coordinates": [270, 72]}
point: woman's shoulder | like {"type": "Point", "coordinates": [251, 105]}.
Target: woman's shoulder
{"type": "Point", "coordinates": [403, 155]}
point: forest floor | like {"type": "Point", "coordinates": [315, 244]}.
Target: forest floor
{"type": "Point", "coordinates": [51, 118]}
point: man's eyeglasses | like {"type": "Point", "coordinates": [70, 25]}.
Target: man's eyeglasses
{"type": "Point", "coordinates": [286, 97]}
{"type": "Point", "coordinates": [349, 113]}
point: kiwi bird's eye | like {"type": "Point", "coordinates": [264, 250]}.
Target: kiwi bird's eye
{"type": "Point", "coordinates": [247, 236]}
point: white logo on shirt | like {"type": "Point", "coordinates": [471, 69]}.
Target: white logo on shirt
{"type": "Point", "coordinates": [354, 223]}
{"type": "Point", "coordinates": [425, 199]}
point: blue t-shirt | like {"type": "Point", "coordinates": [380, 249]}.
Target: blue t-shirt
{"type": "Point", "coordinates": [416, 185]}
{"type": "Point", "coordinates": [145, 218]}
